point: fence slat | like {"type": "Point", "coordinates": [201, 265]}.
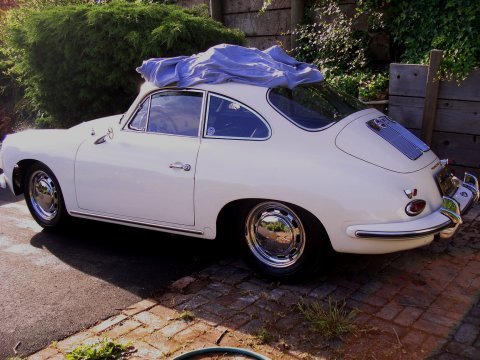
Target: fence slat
{"type": "Point", "coordinates": [464, 150]}
{"type": "Point", "coordinates": [409, 80]}
{"type": "Point", "coordinates": [237, 6]}
{"type": "Point", "coordinates": [452, 115]}
{"type": "Point", "coordinates": [431, 96]}
{"type": "Point", "coordinates": [270, 23]}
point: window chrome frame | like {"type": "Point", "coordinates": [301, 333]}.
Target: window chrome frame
{"type": "Point", "coordinates": [150, 95]}
{"type": "Point", "coordinates": [205, 124]}
{"type": "Point", "coordinates": [128, 123]}
{"type": "Point", "coordinates": [297, 124]}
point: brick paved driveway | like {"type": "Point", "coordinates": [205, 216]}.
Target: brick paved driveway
{"type": "Point", "coordinates": [417, 304]}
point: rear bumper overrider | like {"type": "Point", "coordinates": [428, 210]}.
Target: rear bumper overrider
{"type": "Point", "coordinates": [444, 222]}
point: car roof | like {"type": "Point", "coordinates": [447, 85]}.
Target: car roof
{"type": "Point", "coordinates": [241, 92]}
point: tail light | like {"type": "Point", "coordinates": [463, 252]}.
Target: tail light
{"type": "Point", "coordinates": [415, 207]}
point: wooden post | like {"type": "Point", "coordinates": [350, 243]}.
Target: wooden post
{"type": "Point", "coordinates": [296, 15]}
{"type": "Point", "coordinates": [431, 94]}
{"type": "Point", "coordinates": [216, 10]}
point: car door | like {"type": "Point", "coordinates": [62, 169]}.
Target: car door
{"type": "Point", "coordinates": [146, 170]}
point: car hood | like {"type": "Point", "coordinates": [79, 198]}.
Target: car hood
{"type": "Point", "coordinates": [371, 136]}
{"type": "Point", "coordinates": [31, 139]}
{"type": "Point", "coordinates": [96, 127]}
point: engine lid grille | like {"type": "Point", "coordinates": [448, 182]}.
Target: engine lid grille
{"type": "Point", "coordinates": [398, 136]}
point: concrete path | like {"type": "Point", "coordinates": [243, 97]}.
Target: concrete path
{"type": "Point", "coordinates": [53, 285]}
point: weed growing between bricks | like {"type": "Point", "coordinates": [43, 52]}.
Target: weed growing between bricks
{"type": "Point", "coordinates": [333, 320]}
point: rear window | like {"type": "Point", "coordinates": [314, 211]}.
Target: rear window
{"type": "Point", "coordinates": [313, 107]}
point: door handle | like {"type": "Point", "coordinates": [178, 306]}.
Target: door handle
{"type": "Point", "coordinates": [179, 165]}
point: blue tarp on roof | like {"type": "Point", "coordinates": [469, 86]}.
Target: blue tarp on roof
{"type": "Point", "coordinates": [231, 63]}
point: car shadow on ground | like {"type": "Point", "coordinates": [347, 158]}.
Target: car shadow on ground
{"type": "Point", "coordinates": [140, 261]}
{"type": "Point", "coordinates": [6, 197]}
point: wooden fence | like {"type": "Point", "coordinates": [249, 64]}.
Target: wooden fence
{"type": "Point", "coordinates": [261, 30]}
{"type": "Point", "coordinates": [456, 134]}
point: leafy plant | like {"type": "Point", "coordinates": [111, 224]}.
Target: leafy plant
{"type": "Point", "coordinates": [333, 321]}
{"type": "Point", "coordinates": [332, 44]}
{"type": "Point", "coordinates": [102, 350]}
{"type": "Point", "coordinates": [263, 336]}
{"type": "Point", "coordinates": [365, 85]}
{"type": "Point", "coordinates": [341, 51]}
{"type": "Point", "coordinates": [186, 315]}
{"type": "Point", "coordinates": [449, 25]}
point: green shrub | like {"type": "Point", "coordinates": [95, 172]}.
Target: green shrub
{"type": "Point", "coordinates": [341, 51]}
{"type": "Point", "coordinates": [449, 25]}
{"type": "Point", "coordinates": [332, 44]}
{"type": "Point", "coordinates": [365, 85]}
{"type": "Point", "coordinates": [415, 27]}
{"type": "Point", "coordinates": [77, 62]}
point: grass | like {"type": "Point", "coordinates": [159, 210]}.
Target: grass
{"type": "Point", "coordinates": [263, 336]}
{"type": "Point", "coordinates": [104, 349]}
{"type": "Point", "coordinates": [186, 315]}
{"type": "Point", "coordinates": [333, 321]}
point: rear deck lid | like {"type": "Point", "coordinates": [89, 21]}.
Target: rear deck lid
{"type": "Point", "coordinates": [379, 140]}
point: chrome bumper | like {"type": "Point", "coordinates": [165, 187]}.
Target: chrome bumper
{"type": "Point", "coordinates": [445, 221]}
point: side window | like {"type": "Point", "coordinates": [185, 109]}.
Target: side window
{"type": "Point", "coordinates": [175, 112]}
{"type": "Point", "coordinates": [229, 119]}
{"type": "Point", "coordinates": [141, 116]}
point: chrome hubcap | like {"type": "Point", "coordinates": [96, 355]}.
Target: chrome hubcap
{"type": "Point", "coordinates": [43, 195]}
{"type": "Point", "coordinates": [275, 234]}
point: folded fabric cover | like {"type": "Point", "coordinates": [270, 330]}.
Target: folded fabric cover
{"type": "Point", "coordinates": [225, 63]}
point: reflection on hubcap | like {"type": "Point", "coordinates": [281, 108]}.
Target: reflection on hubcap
{"type": "Point", "coordinates": [43, 195]}
{"type": "Point", "coordinates": [275, 234]}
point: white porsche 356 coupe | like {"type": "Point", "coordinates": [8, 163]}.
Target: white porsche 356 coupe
{"type": "Point", "coordinates": [292, 170]}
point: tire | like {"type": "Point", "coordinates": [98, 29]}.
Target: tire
{"type": "Point", "coordinates": [281, 241]}
{"type": "Point", "coordinates": [44, 198]}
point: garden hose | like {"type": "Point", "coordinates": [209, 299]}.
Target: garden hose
{"type": "Point", "coordinates": [222, 350]}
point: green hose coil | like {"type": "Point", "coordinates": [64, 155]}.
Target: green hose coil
{"type": "Point", "coordinates": [222, 350]}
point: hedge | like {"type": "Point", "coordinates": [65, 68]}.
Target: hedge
{"type": "Point", "coordinates": [78, 62]}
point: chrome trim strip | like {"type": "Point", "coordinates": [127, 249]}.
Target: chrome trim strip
{"type": "Point", "coordinates": [450, 209]}
{"type": "Point", "coordinates": [454, 220]}
{"type": "Point", "coordinates": [141, 223]}
{"type": "Point", "coordinates": [205, 125]}
{"type": "Point", "coordinates": [150, 94]}
{"type": "Point", "coordinates": [402, 234]}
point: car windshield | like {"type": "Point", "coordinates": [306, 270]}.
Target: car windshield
{"type": "Point", "coordinates": [313, 106]}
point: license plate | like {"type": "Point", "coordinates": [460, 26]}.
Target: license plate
{"type": "Point", "coordinates": [445, 182]}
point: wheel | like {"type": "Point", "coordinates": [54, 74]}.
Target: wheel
{"type": "Point", "coordinates": [281, 241]}
{"type": "Point", "coordinates": [44, 197]}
